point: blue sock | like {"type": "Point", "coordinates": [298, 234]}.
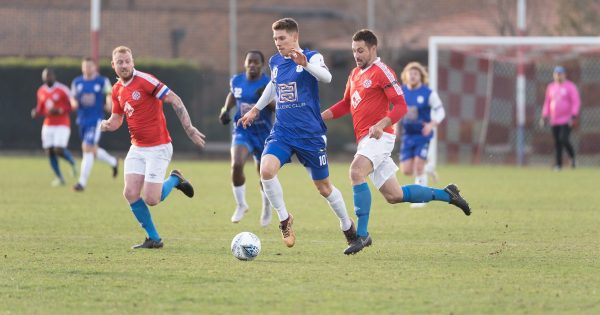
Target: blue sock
{"type": "Point", "coordinates": [142, 214]}
{"type": "Point", "coordinates": [54, 165]}
{"type": "Point", "coordinates": [362, 207]}
{"type": "Point", "coordinates": [418, 194]}
{"type": "Point", "coordinates": [68, 156]}
{"type": "Point", "coordinates": [168, 185]}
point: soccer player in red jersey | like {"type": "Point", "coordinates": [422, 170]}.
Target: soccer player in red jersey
{"type": "Point", "coordinates": [139, 97]}
{"type": "Point", "coordinates": [370, 89]}
{"type": "Point", "coordinates": [53, 103]}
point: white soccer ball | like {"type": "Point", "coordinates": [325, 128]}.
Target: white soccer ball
{"type": "Point", "coordinates": [245, 246]}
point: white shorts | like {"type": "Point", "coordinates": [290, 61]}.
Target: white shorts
{"type": "Point", "coordinates": [55, 136]}
{"type": "Point", "coordinates": [379, 152]}
{"type": "Point", "coordinates": [152, 162]}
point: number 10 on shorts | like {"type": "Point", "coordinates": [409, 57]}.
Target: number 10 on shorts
{"type": "Point", "coordinates": [323, 160]}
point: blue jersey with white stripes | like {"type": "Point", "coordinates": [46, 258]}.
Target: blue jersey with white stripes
{"type": "Point", "coordinates": [298, 111]}
{"type": "Point", "coordinates": [91, 96]}
{"type": "Point", "coordinates": [246, 93]}
{"type": "Point", "coordinates": [419, 109]}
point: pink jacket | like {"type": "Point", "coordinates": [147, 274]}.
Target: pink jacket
{"type": "Point", "coordinates": [562, 102]}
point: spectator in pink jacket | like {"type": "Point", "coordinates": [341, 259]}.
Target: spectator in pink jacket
{"type": "Point", "coordinates": [561, 110]}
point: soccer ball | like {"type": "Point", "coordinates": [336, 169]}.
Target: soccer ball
{"type": "Point", "coordinates": [245, 246]}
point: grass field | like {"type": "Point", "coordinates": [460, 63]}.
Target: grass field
{"type": "Point", "coordinates": [530, 247]}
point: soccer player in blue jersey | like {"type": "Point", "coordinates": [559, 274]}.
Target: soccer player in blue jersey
{"type": "Point", "coordinates": [425, 112]}
{"type": "Point", "coordinates": [245, 90]}
{"type": "Point", "coordinates": [91, 96]}
{"type": "Point", "coordinates": [298, 127]}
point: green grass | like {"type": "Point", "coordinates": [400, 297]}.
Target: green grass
{"type": "Point", "coordinates": [531, 246]}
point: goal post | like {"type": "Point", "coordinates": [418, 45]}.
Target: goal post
{"type": "Point", "coordinates": [483, 57]}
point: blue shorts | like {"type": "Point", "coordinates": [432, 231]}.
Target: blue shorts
{"type": "Point", "coordinates": [254, 142]}
{"type": "Point", "coordinates": [311, 152]}
{"type": "Point", "coordinates": [90, 133]}
{"type": "Point", "coordinates": [414, 146]}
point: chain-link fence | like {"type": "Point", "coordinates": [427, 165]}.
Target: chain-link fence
{"type": "Point", "coordinates": [479, 93]}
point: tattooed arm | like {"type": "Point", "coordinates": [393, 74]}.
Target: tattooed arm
{"type": "Point", "coordinates": [196, 136]}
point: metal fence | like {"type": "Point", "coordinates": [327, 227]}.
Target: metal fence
{"type": "Point", "coordinates": [479, 95]}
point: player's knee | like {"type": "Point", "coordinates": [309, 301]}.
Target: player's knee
{"type": "Point", "coordinates": [131, 195]}
{"type": "Point", "coordinates": [392, 199]}
{"type": "Point", "coordinates": [237, 168]}
{"type": "Point", "coordinates": [152, 201]}
{"type": "Point", "coordinates": [267, 173]}
{"type": "Point", "coordinates": [406, 171]}
{"type": "Point", "coordinates": [357, 175]}
{"type": "Point", "coordinates": [324, 190]}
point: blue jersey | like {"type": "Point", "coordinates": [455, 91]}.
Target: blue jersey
{"type": "Point", "coordinates": [247, 93]}
{"type": "Point", "coordinates": [298, 111]}
{"type": "Point", "coordinates": [91, 96]}
{"type": "Point", "coordinates": [419, 110]}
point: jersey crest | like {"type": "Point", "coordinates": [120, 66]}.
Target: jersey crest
{"type": "Point", "coordinates": [136, 95]}
{"type": "Point", "coordinates": [287, 92]}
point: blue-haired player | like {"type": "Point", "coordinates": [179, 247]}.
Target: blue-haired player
{"type": "Point", "coordinates": [91, 96]}
{"type": "Point", "coordinates": [298, 127]}
{"type": "Point", "coordinates": [425, 112]}
{"type": "Point", "coordinates": [245, 90]}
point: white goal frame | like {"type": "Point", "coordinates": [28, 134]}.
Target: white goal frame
{"type": "Point", "coordinates": [435, 42]}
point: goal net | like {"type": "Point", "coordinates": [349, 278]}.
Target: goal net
{"type": "Point", "coordinates": [493, 90]}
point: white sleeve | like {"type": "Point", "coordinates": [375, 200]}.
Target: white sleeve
{"type": "Point", "coordinates": [267, 96]}
{"type": "Point", "coordinates": [316, 66]}
{"type": "Point", "coordinates": [437, 109]}
{"type": "Point", "coordinates": [73, 92]}
{"type": "Point", "coordinates": [107, 86]}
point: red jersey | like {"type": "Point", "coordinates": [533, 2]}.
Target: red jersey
{"type": "Point", "coordinates": [368, 95]}
{"type": "Point", "coordinates": [140, 100]}
{"type": "Point", "coordinates": [56, 96]}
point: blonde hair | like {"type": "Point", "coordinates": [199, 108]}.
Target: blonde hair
{"type": "Point", "coordinates": [417, 66]}
{"type": "Point", "coordinates": [121, 50]}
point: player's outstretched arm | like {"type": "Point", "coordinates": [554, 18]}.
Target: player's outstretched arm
{"type": "Point", "coordinates": [74, 104]}
{"type": "Point", "coordinates": [437, 113]}
{"type": "Point", "coordinates": [229, 104]}
{"type": "Point", "coordinates": [336, 111]}
{"type": "Point", "coordinates": [112, 123]}
{"type": "Point", "coordinates": [248, 117]}
{"type": "Point", "coordinates": [194, 134]}
{"type": "Point", "coordinates": [266, 97]}
{"type": "Point", "coordinates": [315, 66]}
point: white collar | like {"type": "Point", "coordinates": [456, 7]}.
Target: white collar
{"type": "Point", "coordinates": [378, 59]}
{"type": "Point", "coordinates": [299, 48]}
{"type": "Point", "coordinates": [132, 76]}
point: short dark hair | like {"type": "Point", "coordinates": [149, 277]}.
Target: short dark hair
{"type": "Point", "coordinates": [367, 36]}
{"type": "Point", "coordinates": [258, 52]}
{"type": "Point", "coordinates": [88, 59]}
{"type": "Point", "coordinates": [287, 24]}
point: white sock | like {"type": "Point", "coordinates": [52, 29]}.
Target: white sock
{"type": "Point", "coordinates": [273, 190]}
{"type": "Point", "coordinates": [87, 162]}
{"type": "Point", "coordinates": [336, 202]}
{"type": "Point", "coordinates": [421, 179]}
{"type": "Point", "coordinates": [239, 193]}
{"type": "Point", "coordinates": [105, 157]}
{"type": "Point", "coordinates": [266, 204]}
